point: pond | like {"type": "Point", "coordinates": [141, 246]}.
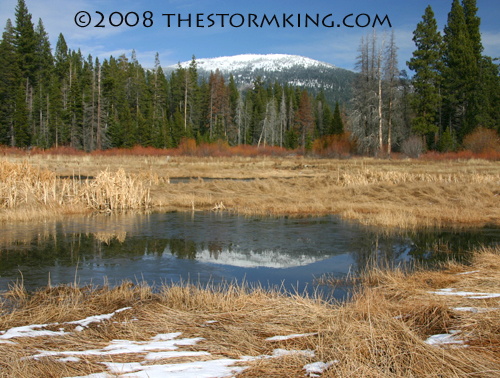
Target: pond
{"type": "Point", "coordinates": [213, 247]}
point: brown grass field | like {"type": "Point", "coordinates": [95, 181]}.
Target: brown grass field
{"type": "Point", "coordinates": [399, 193]}
{"type": "Point", "coordinates": [382, 332]}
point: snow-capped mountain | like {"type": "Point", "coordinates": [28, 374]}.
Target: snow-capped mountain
{"type": "Point", "coordinates": [292, 69]}
{"type": "Point", "coordinates": [253, 62]}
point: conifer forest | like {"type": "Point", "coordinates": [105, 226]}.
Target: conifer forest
{"type": "Point", "coordinates": [51, 97]}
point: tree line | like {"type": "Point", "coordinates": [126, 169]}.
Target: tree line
{"type": "Point", "coordinates": [455, 89]}
{"type": "Point", "coordinates": [63, 99]}
{"type": "Point", "coordinates": [51, 98]}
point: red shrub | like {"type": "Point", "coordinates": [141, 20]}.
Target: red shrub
{"type": "Point", "coordinates": [333, 146]}
{"type": "Point", "coordinates": [482, 141]}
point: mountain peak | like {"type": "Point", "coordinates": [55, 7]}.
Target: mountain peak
{"type": "Point", "coordinates": [253, 62]}
{"type": "Point", "coordinates": [293, 70]}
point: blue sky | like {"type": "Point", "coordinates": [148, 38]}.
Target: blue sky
{"type": "Point", "coordinates": [337, 45]}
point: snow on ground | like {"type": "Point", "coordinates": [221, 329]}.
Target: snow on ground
{"type": "Point", "coordinates": [36, 330]}
{"type": "Point", "coordinates": [444, 338]}
{"type": "Point", "coordinates": [475, 310]}
{"type": "Point", "coordinates": [97, 318]}
{"type": "Point", "coordinates": [468, 294]}
{"type": "Point", "coordinates": [33, 330]}
{"type": "Point", "coordinates": [161, 342]}
{"type": "Point", "coordinates": [284, 352]}
{"type": "Point", "coordinates": [287, 337]}
{"type": "Point", "coordinates": [315, 369]}
{"type": "Point", "coordinates": [159, 348]}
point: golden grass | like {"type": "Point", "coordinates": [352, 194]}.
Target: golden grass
{"type": "Point", "coordinates": [380, 333]}
{"type": "Point", "coordinates": [26, 190]}
{"type": "Point", "coordinates": [400, 193]}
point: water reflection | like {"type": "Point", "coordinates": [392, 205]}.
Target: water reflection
{"type": "Point", "coordinates": [212, 247]}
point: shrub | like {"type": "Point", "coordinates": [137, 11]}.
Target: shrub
{"type": "Point", "coordinates": [482, 141]}
{"type": "Point", "coordinates": [333, 146]}
{"type": "Point", "coordinates": [412, 147]}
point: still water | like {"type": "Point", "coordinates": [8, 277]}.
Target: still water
{"type": "Point", "coordinates": [210, 247]}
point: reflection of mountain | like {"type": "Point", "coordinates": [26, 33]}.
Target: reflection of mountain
{"type": "Point", "coordinates": [254, 259]}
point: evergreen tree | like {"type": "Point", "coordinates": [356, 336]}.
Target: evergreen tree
{"type": "Point", "coordinates": [25, 42]}
{"type": "Point", "coordinates": [460, 74]}
{"type": "Point", "coordinates": [61, 58]}
{"type": "Point", "coordinates": [337, 126]}
{"type": "Point", "coordinates": [9, 79]}
{"type": "Point", "coordinates": [21, 137]}
{"type": "Point", "coordinates": [76, 114]}
{"type": "Point", "coordinates": [44, 68]}
{"type": "Point", "coordinates": [426, 63]}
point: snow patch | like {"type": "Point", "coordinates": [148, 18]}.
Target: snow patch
{"type": "Point", "coordinates": [444, 338]}
{"type": "Point", "coordinates": [315, 369]}
{"type": "Point", "coordinates": [287, 337]}
{"type": "Point", "coordinates": [284, 352]}
{"type": "Point", "coordinates": [469, 294]}
{"type": "Point", "coordinates": [475, 310]}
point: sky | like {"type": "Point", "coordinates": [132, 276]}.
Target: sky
{"type": "Point", "coordinates": [337, 45]}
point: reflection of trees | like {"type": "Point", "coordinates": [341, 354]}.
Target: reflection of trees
{"type": "Point", "coordinates": [182, 248]}
{"type": "Point", "coordinates": [428, 248]}
{"type": "Point", "coordinates": [433, 247]}
{"type": "Point", "coordinates": [375, 249]}
{"type": "Point", "coordinates": [66, 250]}
{"type": "Point", "coordinates": [214, 248]}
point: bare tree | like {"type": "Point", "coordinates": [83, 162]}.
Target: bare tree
{"type": "Point", "coordinates": [282, 117]}
{"type": "Point", "coordinates": [366, 118]}
{"type": "Point", "coordinates": [391, 78]}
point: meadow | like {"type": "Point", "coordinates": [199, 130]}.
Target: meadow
{"type": "Point", "coordinates": [402, 193]}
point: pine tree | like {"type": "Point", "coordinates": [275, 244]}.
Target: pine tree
{"type": "Point", "coordinates": [61, 57]}
{"type": "Point", "coordinates": [426, 63]}
{"type": "Point", "coordinates": [337, 126]}
{"type": "Point", "coordinates": [461, 71]}
{"type": "Point", "coordinates": [25, 42]}
{"type": "Point", "coordinates": [9, 79]}
{"type": "Point", "coordinates": [44, 68]}
{"type": "Point", "coordinates": [21, 137]}
{"type": "Point", "coordinates": [75, 109]}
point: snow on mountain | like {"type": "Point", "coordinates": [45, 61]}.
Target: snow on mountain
{"type": "Point", "coordinates": [293, 70]}
{"type": "Point", "coordinates": [253, 62]}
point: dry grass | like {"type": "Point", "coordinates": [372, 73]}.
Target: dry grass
{"type": "Point", "coordinates": [399, 193]}
{"type": "Point", "coordinates": [380, 333]}
{"type": "Point", "coordinates": [27, 191]}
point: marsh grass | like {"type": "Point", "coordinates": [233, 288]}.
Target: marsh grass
{"type": "Point", "coordinates": [379, 333]}
{"type": "Point", "coordinates": [25, 189]}
{"type": "Point", "coordinates": [406, 194]}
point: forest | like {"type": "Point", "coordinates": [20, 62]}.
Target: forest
{"type": "Point", "coordinates": [52, 98]}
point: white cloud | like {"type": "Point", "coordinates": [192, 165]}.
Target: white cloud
{"type": "Point", "coordinates": [491, 43]}
{"type": "Point", "coordinates": [342, 49]}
